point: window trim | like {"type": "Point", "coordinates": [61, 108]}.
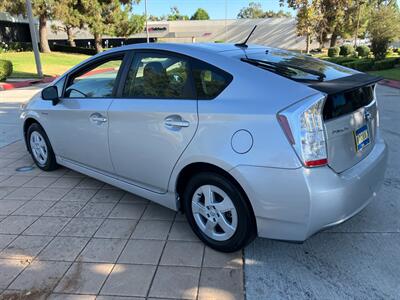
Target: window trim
{"type": "Point", "coordinates": [93, 63]}
{"type": "Point", "coordinates": [64, 80]}
{"type": "Point", "coordinates": [167, 53]}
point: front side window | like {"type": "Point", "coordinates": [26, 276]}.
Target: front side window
{"type": "Point", "coordinates": [209, 81]}
{"type": "Point", "coordinates": [96, 82]}
{"type": "Point", "coordinates": [158, 76]}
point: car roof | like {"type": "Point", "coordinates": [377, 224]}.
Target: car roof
{"type": "Point", "coordinates": [187, 47]}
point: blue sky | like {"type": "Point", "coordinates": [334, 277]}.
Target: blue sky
{"type": "Point", "coordinates": [215, 8]}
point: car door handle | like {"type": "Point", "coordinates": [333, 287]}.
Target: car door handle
{"type": "Point", "coordinates": [176, 122]}
{"type": "Point", "coordinates": [98, 118]}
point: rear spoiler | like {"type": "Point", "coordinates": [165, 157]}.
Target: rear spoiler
{"type": "Point", "coordinates": [345, 84]}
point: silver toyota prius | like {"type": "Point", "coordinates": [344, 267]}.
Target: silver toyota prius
{"type": "Point", "coordinates": [245, 140]}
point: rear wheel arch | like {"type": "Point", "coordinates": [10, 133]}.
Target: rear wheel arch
{"type": "Point", "coordinates": [194, 168]}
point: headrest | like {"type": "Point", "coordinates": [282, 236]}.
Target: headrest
{"type": "Point", "coordinates": [154, 68]}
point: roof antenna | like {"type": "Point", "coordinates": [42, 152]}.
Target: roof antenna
{"type": "Point", "coordinates": [243, 44]}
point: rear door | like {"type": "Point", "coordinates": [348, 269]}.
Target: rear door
{"type": "Point", "coordinates": [154, 118]}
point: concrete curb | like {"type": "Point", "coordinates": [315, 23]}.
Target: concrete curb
{"type": "Point", "coordinates": [391, 83]}
{"type": "Point", "coordinates": [19, 84]}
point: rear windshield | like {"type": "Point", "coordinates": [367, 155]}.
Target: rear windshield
{"type": "Point", "coordinates": [344, 103]}
{"type": "Point", "coordinates": [285, 58]}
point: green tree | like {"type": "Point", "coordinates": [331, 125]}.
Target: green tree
{"type": "Point", "coordinates": [308, 17]}
{"type": "Point", "coordinates": [307, 20]}
{"type": "Point", "coordinates": [129, 24]}
{"type": "Point", "coordinates": [43, 9]}
{"type": "Point", "coordinates": [175, 15]}
{"type": "Point", "coordinates": [200, 14]}
{"type": "Point", "coordinates": [321, 24]}
{"type": "Point", "coordinates": [343, 18]}
{"type": "Point", "coordinates": [108, 17]}
{"type": "Point", "coordinates": [333, 22]}
{"type": "Point", "coordinates": [384, 28]}
{"type": "Point", "coordinates": [154, 18]}
{"type": "Point", "coordinates": [68, 12]}
{"type": "Point", "coordinates": [278, 14]}
{"type": "Point", "coordinates": [335, 18]}
{"type": "Point", "coordinates": [253, 11]}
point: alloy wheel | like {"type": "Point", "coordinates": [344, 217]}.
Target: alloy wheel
{"type": "Point", "coordinates": [38, 147]}
{"type": "Point", "coordinates": [214, 213]}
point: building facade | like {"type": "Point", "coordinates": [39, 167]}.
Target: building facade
{"type": "Point", "coordinates": [273, 32]}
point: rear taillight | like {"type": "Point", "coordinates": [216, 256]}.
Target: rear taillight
{"type": "Point", "coordinates": [302, 124]}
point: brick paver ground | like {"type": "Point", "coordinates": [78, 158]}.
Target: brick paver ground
{"type": "Point", "coordinates": [67, 236]}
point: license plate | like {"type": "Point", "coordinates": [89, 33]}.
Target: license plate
{"type": "Point", "coordinates": [361, 136]}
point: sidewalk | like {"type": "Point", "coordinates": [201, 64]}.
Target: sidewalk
{"type": "Point", "coordinates": [21, 83]}
{"type": "Point", "coordinates": [391, 83]}
{"type": "Point", "coordinates": [10, 102]}
{"type": "Point", "coordinates": [65, 235]}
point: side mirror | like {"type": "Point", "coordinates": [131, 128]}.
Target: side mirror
{"type": "Point", "coordinates": [50, 93]}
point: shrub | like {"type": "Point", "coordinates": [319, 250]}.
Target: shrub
{"type": "Point", "coordinates": [391, 53]}
{"type": "Point", "coordinates": [379, 48]}
{"type": "Point", "coordinates": [6, 69]}
{"type": "Point", "coordinates": [360, 65]}
{"type": "Point", "coordinates": [333, 51]}
{"type": "Point", "coordinates": [363, 51]}
{"type": "Point", "coordinates": [341, 60]}
{"type": "Point", "coordinates": [15, 47]}
{"type": "Point", "coordinates": [69, 49]}
{"type": "Point", "coordinates": [365, 65]}
{"type": "Point", "coordinates": [316, 50]}
{"type": "Point", "coordinates": [346, 50]}
{"type": "Point", "coordinates": [384, 64]}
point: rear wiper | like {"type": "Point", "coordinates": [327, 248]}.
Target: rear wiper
{"type": "Point", "coordinates": [283, 69]}
{"type": "Point", "coordinates": [271, 67]}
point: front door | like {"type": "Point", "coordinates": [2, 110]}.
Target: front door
{"type": "Point", "coordinates": [154, 120]}
{"type": "Point", "coordinates": [79, 130]}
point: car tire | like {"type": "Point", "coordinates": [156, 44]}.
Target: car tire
{"type": "Point", "coordinates": [223, 220]}
{"type": "Point", "coordinates": [40, 148]}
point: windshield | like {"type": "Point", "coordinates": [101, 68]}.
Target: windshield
{"type": "Point", "coordinates": [302, 67]}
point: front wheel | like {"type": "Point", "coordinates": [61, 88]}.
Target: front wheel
{"type": "Point", "coordinates": [218, 212]}
{"type": "Point", "coordinates": [40, 148]}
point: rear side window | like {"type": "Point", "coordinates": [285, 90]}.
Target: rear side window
{"type": "Point", "coordinates": [158, 76]}
{"type": "Point", "coordinates": [209, 80]}
{"type": "Point", "coordinates": [344, 103]}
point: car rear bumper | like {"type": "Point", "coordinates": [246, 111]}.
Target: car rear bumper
{"type": "Point", "coordinates": [293, 204]}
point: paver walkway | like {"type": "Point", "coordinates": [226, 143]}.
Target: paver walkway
{"type": "Point", "coordinates": [64, 234]}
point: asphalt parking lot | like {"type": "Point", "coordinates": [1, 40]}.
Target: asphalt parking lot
{"type": "Point", "coordinates": [359, 259]}
{"type": "Point", "coordinates": [64, 234]}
